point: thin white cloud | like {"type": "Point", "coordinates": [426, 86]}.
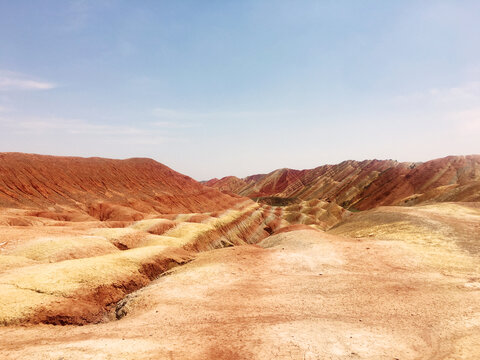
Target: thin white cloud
{"type": "Point", "coordinates": [455, 95]}
{"type": "Point", "coordinates": [112, 133]}
{"type": "Point", "coordinates": [78, 15]}
{"type": "Point", "coordinates": [455, 107]}
{"type": "Point", "coordinates": [468, 121]}
{"type": "Point", "coordinates": [16, 81]}
{"type": "Point", "coordinates": [73, 126]}
{"type": "Point", "coordinates": [176, 118]}
{"type": "Point", "coordinates": [173, 125]}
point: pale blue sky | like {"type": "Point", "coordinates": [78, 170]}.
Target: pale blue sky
{"type": "Point", "coordinates": [215, 88]}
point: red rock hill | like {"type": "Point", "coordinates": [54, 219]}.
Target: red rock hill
{"type": "Point", "coordinates": [367, 184]}
{"type": "Point", "coordinates": [104, 188]}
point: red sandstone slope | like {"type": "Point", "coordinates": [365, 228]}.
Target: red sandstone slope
{"type": "Point", "coordinates": [104, 188]}
{"type": "Point", "coordinates": [370, 183]}
{"type": "Point", "coordinates": [226, 184]}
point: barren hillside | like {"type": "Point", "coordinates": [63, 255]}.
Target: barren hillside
{"type": "Point", "coordinates": [105, 189]}
{"type": "Point", "coordinates": [367, 184]}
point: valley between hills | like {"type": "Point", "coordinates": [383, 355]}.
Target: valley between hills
{"type": "Point", "coordinates": [129, 259]}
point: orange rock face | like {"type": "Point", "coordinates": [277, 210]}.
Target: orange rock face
{"type": "Point", "coordinates": [367, 184]}
{"type": "Point", "coordinates": [105, 189]}
{"type": "Point", "coordinates": [226, 184]}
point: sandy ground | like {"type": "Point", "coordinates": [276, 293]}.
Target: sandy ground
{"type": "Point", "coordinates": [299, 295]}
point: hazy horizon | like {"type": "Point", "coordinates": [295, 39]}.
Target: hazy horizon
{"type": "Point", "coordinates": [212, 89]}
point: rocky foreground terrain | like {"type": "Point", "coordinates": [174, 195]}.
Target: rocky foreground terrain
{"type": "Point", "coordinates": [128, 259]}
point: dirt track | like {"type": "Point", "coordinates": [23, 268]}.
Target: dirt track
{"type": "Point", "coordinates": [306, 295]}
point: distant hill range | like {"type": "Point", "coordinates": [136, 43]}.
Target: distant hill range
{"type": "Point", "coordinates": [362, 185]}
{"type": "Point", "coordinates": [105, 189]}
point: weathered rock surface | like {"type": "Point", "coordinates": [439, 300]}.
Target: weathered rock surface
{"type": "Point", "coordinates": [105, 189]}
{"type": "Point", "coordinates": [367, 184]}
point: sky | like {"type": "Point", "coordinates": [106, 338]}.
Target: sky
{"type": "Point", "coordinates": [216, 88]}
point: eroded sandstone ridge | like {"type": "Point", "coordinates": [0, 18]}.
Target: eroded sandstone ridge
{"type": "Point", "coordinates": [361, 185]}
{"type": "Point", "coordinates": [105, 189]}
